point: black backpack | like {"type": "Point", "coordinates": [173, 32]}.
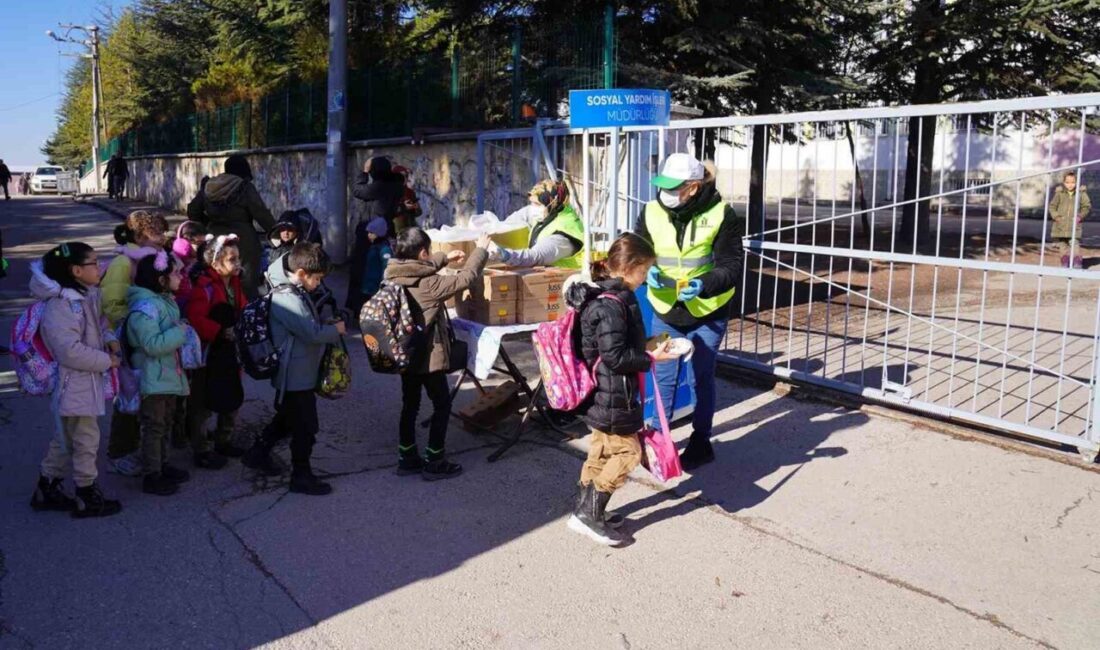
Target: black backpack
{"type": "Point", "coordinates": [255, 347]}
{"type": "Point", "coordinates": [393, 338]}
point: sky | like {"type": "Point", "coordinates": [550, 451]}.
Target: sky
{"type": "Point", "coordinates": [32, 72]}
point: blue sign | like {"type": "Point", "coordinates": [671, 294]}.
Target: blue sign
{"type": "Point", "coordinates": [618, 107]}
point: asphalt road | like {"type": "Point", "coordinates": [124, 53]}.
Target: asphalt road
{"type": "Point", "coordinates": [818, 527]}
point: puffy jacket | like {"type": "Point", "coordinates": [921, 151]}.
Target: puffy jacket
{"type": "Point", "coordinates": [229, 205]}
{"type": "Point", "coordinates": [118, 278]}
{"type": "Point", "coordinates": [209, 292]}
{"type": "Point", "coordinates": [155, 335]}
{"type": "Point", "coordinates": [297, 331]}
{"type": "Point", "coordinates": [613, 333]}
{"type": "Point", "coordinates": [1062, 207]}
{"type": "Point", "coordinates": [75, 333]}
{"type": "Point", "coordinates": [430, 291]}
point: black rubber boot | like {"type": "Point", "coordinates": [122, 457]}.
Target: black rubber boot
{"type": "Point", "coordinates": [613, 519]}
{"type": "Point", "coordinates": [588, 520]}
{"type": "Point", "coordinates": [49, 495]}
{"type": "Point", "coordinates": [90, 502]}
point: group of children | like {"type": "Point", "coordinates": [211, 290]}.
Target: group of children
{"type": "Point", "coordinates": [159, 296]}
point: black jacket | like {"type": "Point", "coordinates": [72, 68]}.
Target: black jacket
{"type": "Point", "coordinates": [613, 333]}
{"type": "Point", "coordinates": [729, 255]}
{"type": "Point", "coordinates": [381, 190]}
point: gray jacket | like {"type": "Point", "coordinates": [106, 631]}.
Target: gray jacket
{"type": "Point", "coordinates": [297, 331]}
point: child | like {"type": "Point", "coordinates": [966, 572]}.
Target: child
{"type": "Point", "coordinates": [416, 269]}
{"type": "Point", "coordinates": [75, 332]}
{"type": "Point", "coordinates": [612, 333]}
{"type": "Point", "coordinates": [142, 235]}
{"type": "Point", "coordinates": [296, 328]}
{"type": "Point", "coordinates": [189, 239]}
{"type": "Point", "coordinates": [215, 305]}
{"type": "Point", "coordinates": [293, 226]}
{"type": "Point", "coordinates": [155, 335]}
{"type": "Point", "coordinates": [368, 264]}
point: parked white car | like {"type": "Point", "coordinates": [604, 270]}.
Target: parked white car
{"type": "Point", "coordinates": [44, 180]}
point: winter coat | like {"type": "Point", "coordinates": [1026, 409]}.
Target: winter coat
{"type": "Point", "coordinates": [613, 333]}
{"type": "Point", "coordinates": [368, 264]}
{"type": "Point", "coordinates": [229, 205]}
{"type": "Point", "coordinates": [430, 290]}
{"type": "Point", "coordinates": [5, 174]}
{"type": "Point", "coordinates": [187, 283]}
{"type": "Point", "coordinates": [75, 332]}
{"type": "Point", "coordinates": [297, 331]}
{"type": "Point", "coordinates": [155, 335]}
{"type": "Point", "coordinates": [382, 191]}
{"type": "Point", "coordinates": [118, 278]}
{"type": "Point", "coordinates": [209, 292]}
{"type": "Point", "coordinates": [1062, 204]}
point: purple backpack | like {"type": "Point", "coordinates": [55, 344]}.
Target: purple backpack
{"type": "Point", "coordinates": [565, 376]}
{"type": "Point", "coordinates": [34, 365]}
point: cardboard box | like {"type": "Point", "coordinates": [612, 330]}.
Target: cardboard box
{"type": "Point", "coordinates": [541, 283]}
{"type": "Point", "coordinates": [540, 311]}
{"type": "Point", "coordinates": [487, 313]}
{"type": "Point", "coordinates": [448, 246]}
{"type": "Point", "coordinates": [495, 285]}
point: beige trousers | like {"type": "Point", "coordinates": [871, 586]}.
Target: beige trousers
{"type": "Point", "coordinates": [77, 443]}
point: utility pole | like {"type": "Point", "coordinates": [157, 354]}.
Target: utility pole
{"type": "Point", "coordinates": [336, 223]}
{"type": "Point", "coordinates": [92, 43]}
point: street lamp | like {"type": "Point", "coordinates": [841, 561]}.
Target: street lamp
{"type": "Point", "coordinates": [92, 43]}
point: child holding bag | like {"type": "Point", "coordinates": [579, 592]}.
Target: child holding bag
{"type": "Point", "coordinates": [155, 335]}
{"type": "Point", "coordinates": [216, 303]}
{"type": "Point", "coordinates": [77, 335]}
{"type": "Point", "coordinates": [613, 342]}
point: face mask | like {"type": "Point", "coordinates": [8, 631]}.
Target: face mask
{"type": "Point", "coordinates": [670, 200]}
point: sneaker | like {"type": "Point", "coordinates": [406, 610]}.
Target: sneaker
{"type": "Point", "coordinates": [696, 455]}
{"type": "Point", "coordinates": [159, 485]}
{"type": "Point", "coordinates": [90, 502]}
{"type": "Point", "coordinates": [175, 474]}
{"type": "Point", "coordinates": [210, 460]}
{"type": "Point", "coordinates": [229, 450]}
{"type": "Point", "coordinates": [410, 465]}
{"type": "Point", "coordinates": [49, 495]}
{"type": "Point", "coordinates": [438, 470]}
{"type": "Point", "coordinates": [588, 519]}
{"type": "Point", "coordinates": [303, 483]}
{"type": "Point", "coordinates": [259, 458]}
{"type": "Point", "coordinates": [128, 465]}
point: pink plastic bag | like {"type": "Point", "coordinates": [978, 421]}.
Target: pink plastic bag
{"type": "Point", "coordinates": [659, 454]}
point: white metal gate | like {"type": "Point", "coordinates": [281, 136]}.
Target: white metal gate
{"type": "Point", "coordinates": [981, 323]}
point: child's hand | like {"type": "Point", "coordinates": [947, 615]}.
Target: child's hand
{"type": "Point", "coordinates": [114, 347]}
{"type": "Point", "coordinates": [456, 257]}
{"type": "Point", "coordinates": [115, 361]}
{"type": "Point", "coordinates": [341, 327]}
{"type": "Point", "coordinates": [483, 241]}
{"type": "Point", "coordinates": [664, 352]}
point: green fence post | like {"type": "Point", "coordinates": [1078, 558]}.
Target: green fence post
{"type": "Point", "coordinates": [609, 46]}
{"type": "Point", "coordinates": [248, 123]}
{"type": "Point", "coordinates": [517, 63]}
{"type": "Point", "coordinates": [455, 90]}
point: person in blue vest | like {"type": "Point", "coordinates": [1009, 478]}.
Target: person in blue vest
{"type": "Point", "coordinates": [557, 234]}
{"type": "Point", "coordinates": [697, 238]}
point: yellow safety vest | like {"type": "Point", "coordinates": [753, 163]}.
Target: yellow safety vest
{"type": "Point", "coordinates": [568, 222]}
{"type": "Point", "coordinates": [680, 265]}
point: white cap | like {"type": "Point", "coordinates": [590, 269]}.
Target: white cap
{"type": "Point", "coordinates": [679, 168]}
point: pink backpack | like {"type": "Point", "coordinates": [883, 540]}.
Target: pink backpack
{"type": "Point", "coordinates": [658, 450]}
{"type": "Point", "coordinates": [565, 375]}
{"type": "Point", "coordinates": [34, 365]}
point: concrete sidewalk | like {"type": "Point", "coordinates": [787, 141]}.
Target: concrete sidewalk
{"type": "Point", "coordinates": [818, 527]}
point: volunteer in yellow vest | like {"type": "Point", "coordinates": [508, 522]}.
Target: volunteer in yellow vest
{"type": "Point", "coordinates": [697, 237]}
{"type": "Point", "coordinates": [557, 232]}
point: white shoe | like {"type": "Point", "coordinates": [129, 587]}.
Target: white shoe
{"type": "Point", "coordinates": [602, 535]}
{"type": "Point", "coordinates": [128, 465]}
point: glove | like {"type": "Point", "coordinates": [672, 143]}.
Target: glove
{"type": "Point", "coordinates": [692, 291]}
{"type": "Point", "coordinates": [653, 278]}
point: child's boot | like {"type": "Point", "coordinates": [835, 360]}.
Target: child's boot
{"type": "Point", "coordinates": [258, 457]}
{"type": "Point", "coordinates": [90, 502]}
{"type": "Point", "coordinates": [438, 467]}
{"type": "Point", "coordinates": [303, 481]}
{"type": "Point", "coordinates": [409, 461]}
{"type": "Point", "coordinates": [613, 519]}
{"type": "Point", "coordinates": [174, 474]}
{"type": "Point", "coordinates": [588, 520]}
{"type": "Point", "coordinates": [159, 485]}
{"type": "Point", "coordinates": [49, 495]}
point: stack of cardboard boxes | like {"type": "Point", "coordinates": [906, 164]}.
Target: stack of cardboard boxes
{"type": "Point", "coordinates": [506, 296]}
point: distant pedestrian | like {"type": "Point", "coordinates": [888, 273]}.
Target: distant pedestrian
{"type": "Point", "coordinates": [381, 190]}
{"type": "Point", "coordinates": [230, 205]}
{"type": "Point", "coordinates": [24, 184]}
{"type": "Point", "coordinates": [5, 178]}
{"type": "Point", "coordinates": [368, 263]}
{"type": "Point", "coordinates": [408, 208]}
{"type": "Point", "coordinates": [79, 338]}
{"type": "Point", "coordinates": [116, 174]}
{"type": "Point", "coordinates": [1068, 208]}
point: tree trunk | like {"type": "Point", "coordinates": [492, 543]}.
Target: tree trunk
{"type": "Point", "coordinates": [864, 217]}
{"type": "Point", "coordinates": [756, 217]}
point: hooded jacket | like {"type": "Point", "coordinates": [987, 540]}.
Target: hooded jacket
{"type": "Point", "coordinates": [1062, 208]}
{"type": "Point", "coordinates": [209, 292]}
{"type": "Point", "coordinates": [612, 340]}
{"type": "Point", "coordinates": [229, 205]}
{"type": "Point", "coordinates": [118, 278]}
{"type": "Point", "coordinates": [75, 333]}
{"type": "Point", "coordinates": [297, 331]}
{"type": "Point", "coordinates": [155, 335]}
{"type": "Point", "coordinates": [430, 290]}
{"type": "Point", "coordinates": [728, 254]}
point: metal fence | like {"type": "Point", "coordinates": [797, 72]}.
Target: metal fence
{"type": "Point", "coordinates": [490, 79]}
{"type": "Point", "coordinates": [976, 320]}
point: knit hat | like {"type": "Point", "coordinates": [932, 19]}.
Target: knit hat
{"type": "Point", "coordinates": [378, 226]}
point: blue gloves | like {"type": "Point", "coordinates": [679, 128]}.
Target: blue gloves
{"type": "Point", "coordinates": [653, 278]}
{"type": "Point", "coordinates": [692, 291]}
